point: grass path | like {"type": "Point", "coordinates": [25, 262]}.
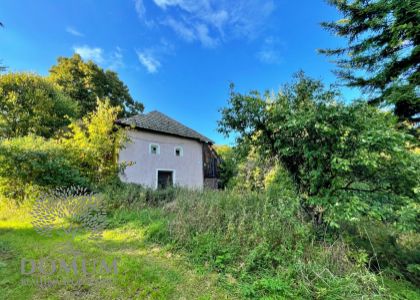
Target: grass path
{"type": "Point", "coordinates": [144, 271]}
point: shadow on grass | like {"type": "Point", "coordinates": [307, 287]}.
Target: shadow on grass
{"type": "Point", "coordinates": [143, 271]}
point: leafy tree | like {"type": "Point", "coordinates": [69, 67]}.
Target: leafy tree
{"type": "Point", "coordinates": [347, 161]}
{"type": "Point", "coordinates": [85, 82]}
{"type": "Point", "coordinates": [383, 52]}
{"type": "Point", "coordinates": [95, 142]}
{"type": "Point", "coordinates": [31, 104]}
{"type": "Point", "coordinates": [228, 165]}
{"type": "Point", "coordinates": [85, 155]}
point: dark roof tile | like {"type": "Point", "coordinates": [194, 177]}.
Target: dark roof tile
{"type": "Point", "coordinates": [159, 122]}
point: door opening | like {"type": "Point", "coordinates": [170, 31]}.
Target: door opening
{"type": "Point", "coordinates": [165, 179]}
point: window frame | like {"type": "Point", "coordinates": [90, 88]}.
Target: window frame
{"type": "Point", "coordinates": [157, 148]}
{"type": "Point", "coordinates": [181, 151]}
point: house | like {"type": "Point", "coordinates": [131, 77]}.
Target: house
{"type": "Point", "coordinates": [162, 152]}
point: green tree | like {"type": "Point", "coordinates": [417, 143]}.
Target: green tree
{"type": "Point", "coordinates": [383, 52]}
{"type": "Point", "coordinates": [85, 82]}
{"type": "Point", "coordinates": [347, 161]}
{"type": "Point", "coordinates": [228, 165]}
{"type": "Point", "coordinates": [31, 104]}
{"type": "Point", "coordinates": [95, 142]}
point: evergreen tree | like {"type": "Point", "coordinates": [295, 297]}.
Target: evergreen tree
{"type": "Point", "coordinates": [383, 52]}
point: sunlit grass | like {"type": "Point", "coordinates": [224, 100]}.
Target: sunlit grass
{"type": "Point", "coordinates": [144, 271]}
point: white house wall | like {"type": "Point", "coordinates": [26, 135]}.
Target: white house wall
{"type": "Point", "coordinates": [187, 169]}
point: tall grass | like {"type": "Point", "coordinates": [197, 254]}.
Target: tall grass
{"type": "Point", "coordinates": [261, 245]}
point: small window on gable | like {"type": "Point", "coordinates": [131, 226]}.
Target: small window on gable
{"type": "Point", "coordinates": [178, 151]}
{"type": "Point", "coordinates": [154, 149]}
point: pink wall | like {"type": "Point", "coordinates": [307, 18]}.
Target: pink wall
{"type": "Point", "coordinates": [187, 169]}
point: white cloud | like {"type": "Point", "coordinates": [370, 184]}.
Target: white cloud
{"type": "Point", "coordinates": [211, 22]}
{"type": "Point", "coordinates": [74, 31]}
{"type": "Point", "coordinates": [116, 59]}
{"type": "Point", "coordinates": [193, 32]}
{"type": "Point", "coordinates": [90, 53]}
{"type": "Point", "coordinates": [270, 51]}
{"type": "Point", "coordinates": [165, 3]}
{"type": "Point", "coordinates": [111, 59]}
{"type": "Point", "coordinates": [187, 33]}
{"type": "Point", "coordinates": [223, 19]}
{"type": "Point", "coordinates": [204, 37]}
{"type": "Point", "coordinates": [140, 9]}
{"type": "Point", "coordinates": [151, 58]}
{"type": "Point", "coordinates": [147, 60]}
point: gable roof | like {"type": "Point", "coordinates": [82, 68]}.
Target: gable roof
{"type": "Point", "coordinates": [159, 122]}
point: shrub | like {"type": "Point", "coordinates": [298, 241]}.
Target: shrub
{"type": "Point", "coordinates": [388, 249]}
{"type": "Point", "coordinates": [124, 195]}
{"type": "Point", "coordinates": [130, 195]}
{"type": "Point", "coordinates": [29, 163]}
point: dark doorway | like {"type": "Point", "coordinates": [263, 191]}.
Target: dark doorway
{"type": "Point", "coordinates": [165, 179]}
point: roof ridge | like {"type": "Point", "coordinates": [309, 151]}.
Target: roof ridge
{"type": "Point", "coordinates": [166, 124]}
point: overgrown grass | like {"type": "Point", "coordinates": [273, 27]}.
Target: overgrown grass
{"type": "Point", "coordinates": [260, 244]}
{"type": "Point", "coordinates": [179, 244]}
{"type": "Point", "coordinates": [144, 271]}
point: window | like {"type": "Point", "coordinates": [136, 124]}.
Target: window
{"type": "Point", "coordinates": [178, 151]}
{"type": "Point", "coordinates": [154, 149]}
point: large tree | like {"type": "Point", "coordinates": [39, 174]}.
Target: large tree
{"type": "Point", "coordinates": [30, 103]}
{"type": "Point", "coordinates": [85, 82]}
{"type": "Point", "coordinates": [346, 160]}
{"type": "Point", "coordinates": [383, 51]}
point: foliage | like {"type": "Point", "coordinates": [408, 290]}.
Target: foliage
{"type": "Point", "coordinates": [86, 156]}
{"type": "Point", "coordinates": [85, 82]}
{"type": "Point", "coordinates": [252, 171]}
{"type": "Point", "coordinates": [228, 165]}
{"type": "Point", "coordinates": [119, 195]}
{"type": "Point", "coordinates": [29, 104]}
{"type": "Point", "coordinates": [347, 161]}
{"type": "Point", "coordinates": [27, 163]}
{"type": "Point", "coordinates": [389, 250]}
{"type": "Point", "coordinates": [261, 245]}
{"type": "Point", "coordinates": [95, 142]}
{"type": "Point", "coordinates": [382, 55]}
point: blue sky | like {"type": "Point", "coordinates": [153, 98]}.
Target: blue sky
{"type": "Point", "coordinates": [176, 56]}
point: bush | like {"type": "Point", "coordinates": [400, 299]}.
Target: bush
{"type": "Point", "coordinates": [130, 195]}
{"type": "Point", "coordinates": [124, 195]}
{"type": "Point", "coordinates": [30, 163]}
{"type": "Point", "coordinates": [388, 249]}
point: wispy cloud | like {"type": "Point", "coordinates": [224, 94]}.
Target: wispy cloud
{"type": "Point", "coordinates": [151, 58]}
{"type": "Point", "coordinates": [140, 8]}
{"type": "Point", "coordinates": [192, 32]}
{"type": "Point", "coordinates": [74, 31]}
{"type": "Point", "coordinates": [204, 37]}
{"type": "Point", "coordinates": [110, 59]}
{"type": "Point", "coordinates": [90, 53]}
{"type": "Point", "coordinates": [270, 51]}
{"type": "Point", "coordinates": [181, 29]}
{"type": "Point", "coordinates": [211, 22]}
{"type": "Point", "coordinates": [116, 59]}
{"type": "Point", "coordinates": [147, 60]}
